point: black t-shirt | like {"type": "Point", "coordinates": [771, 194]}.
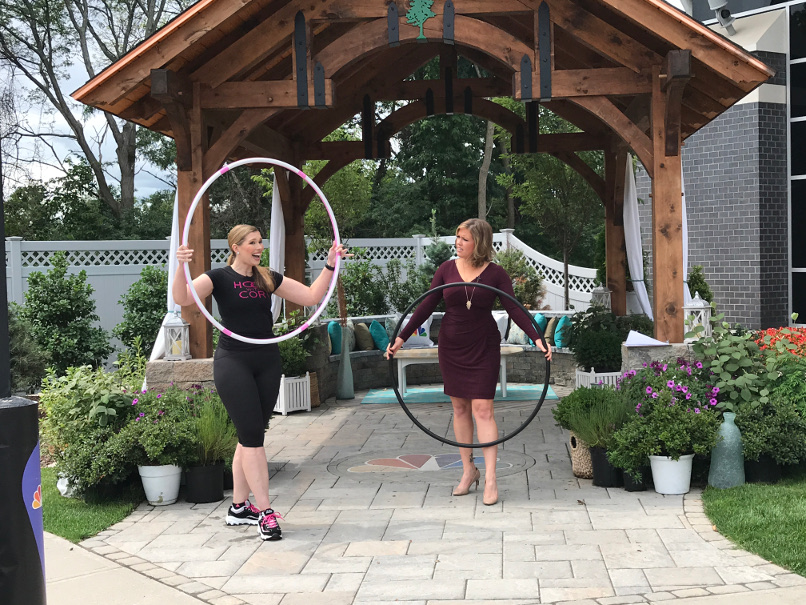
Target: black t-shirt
{"type": "Point", "coordinates": [244, 308]}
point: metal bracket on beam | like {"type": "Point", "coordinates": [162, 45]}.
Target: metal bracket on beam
{"type": "Point", "coordinates": [526, 78]}
{"type": "Point", "coordinates": [319, 97]}
{"type": "Point", "coordinates": [393, 24]}
{"type": "Point", "coordinates": [468, 101]}
{"type": "Point", "coordinates": [448, 91]}
{"type": "Point", "coordinates": [544, 50]}
{"type": "Point", "coordinates": [367, 125]}
{"type": "Point", "coordinates": [532, 109]}
{"type": "Point", "coordinates": [301, 58]}
{"type": "Point", "coordinates": [518, 140]}
{"type": "Point", "coordinates": [448, 14]}
{"type": "Point", "coordinates": [429, 102]}
{"type": "Point", "coordinates": [675, 74]}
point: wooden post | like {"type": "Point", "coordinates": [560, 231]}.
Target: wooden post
{"type": "Point", "coordinates": [667, 223]}
{"type": "Point", "coordinates": [188, 184]}
{"type": "Point", "coordinates": [294, 216]}
{"type": "Point", "coordinates": [615, 247]}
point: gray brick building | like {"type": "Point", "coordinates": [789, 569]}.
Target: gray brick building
{"type": "Point", "coordinates": [737, 180]}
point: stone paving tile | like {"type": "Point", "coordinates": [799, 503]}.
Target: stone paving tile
{"type": "Point", "coordinates": [392, 590]}
{"type": "Point", "coordinates": [681, 576]}
{"type": "Point", "coordinates": [319, 598]}
{"type": "Point", "coordinates": [407, 567]}
{"type": "Point", "coordinates": [636, 556]}
{"type": "Point", "coordinates": [503, 589]}
{"type": "Point", "coordinates": [260, 599]}
{"type": "Point", "coordinates": [538, 570]}
{"type": "Point", "coordinates": [450, 545]}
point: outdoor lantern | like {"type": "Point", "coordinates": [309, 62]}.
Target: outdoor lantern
{"type": "Point", "coordinates": [177, 338]}
{"type": "Point", "coordinates": [600, 296]}
{"type": "Point", "coordinates": [697, 313]}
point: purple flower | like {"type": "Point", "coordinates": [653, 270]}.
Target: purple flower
{"type": "Point", "coordinates": [648, 390]}
{"type": "Point", "coordinates": [142, 414]}
{"type": "Point", "coordinates": [715, 390]}
{"type": "Point", "coordinates": [696, 410]}
{"type": "Point", "coordinates": [137, 419]}
{"type": "Point", "coordinates": [664, 367]}
{"type": "Point", "coordinates": [670, 384]}
{"type": "Point", "coordinates": [688, 395]}
{"type": "Point", "coordinates": [654, 395]}
{"type": "Point", "coordinates": [699, 365]}
{"type": "Point", "coordinates": [713, 401]}
{"type": "Point", "coordinates": [160, 395]}
{"type": "Point", "coordinates": [160, 413]}
{"type": "Point", "coordinates": [638, 407]}
{"type": "Point", "coordinates": [134, 401]}
{"type": "Point", "coordinates": [684, 389]}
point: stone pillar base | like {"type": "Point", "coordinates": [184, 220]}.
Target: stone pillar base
{"type": "Point", "coordinates": [161, 374]}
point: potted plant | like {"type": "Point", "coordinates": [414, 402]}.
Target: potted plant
{"type": "Point", "coordinates": [215, 442]}
{"type": "Point", "coordinates": [674, 419]}
{"type": "Point", "coordinates": [596, 337]}
{"type": "Point", "coordinates": [773, 435]}
{"type": "Point", "coordinates": [162, 440]}
{"type": "Point", "coordinates": [607, 412]}
{"type": "Point", "coordinates": [567, 410]}
{"type": "Point", "coordinates": [295, 384]}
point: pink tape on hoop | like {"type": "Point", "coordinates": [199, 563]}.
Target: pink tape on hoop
{"type": "Point", "coordinates": [224, 170]}
{"type": "Point", "coordinates": [227, 332]}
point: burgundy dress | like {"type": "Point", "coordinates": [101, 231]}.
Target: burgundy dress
{"type": "Point", "coordinates": [469, 340]}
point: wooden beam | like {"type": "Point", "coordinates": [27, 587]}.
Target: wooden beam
{"type": "Point", "coordinates": [233, 136]}
{"type": "Point", "coordinates": [621, 125]}
{"type": "Point", "coordinates": [582, 168]}
{"type": "Point", "coordinates": [276, 94]}
{"type": "Point", "coordinates": [599, 34]}
{"type": "Point", "coordinates": [675, 74]}
{"type": "Point", "coordinates": [667, 227]}
{"type": "Point", "coordinates": [609, 81]}
{"type": "Point", "coordinates": [175, 94]}
{"type": "Point", "coordinates": [615, 244]}
{"type": "Point", "coordinates": [415, 89]}
{"type": "Point", "coordinates": [329, 169]}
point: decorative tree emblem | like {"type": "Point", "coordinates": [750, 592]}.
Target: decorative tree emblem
{"type": "Point", "coordinates": [419, 13]}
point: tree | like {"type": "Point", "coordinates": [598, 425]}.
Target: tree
{"type": "Point", "coordinates": [419, 13]}
{"type": "Point", "coordinates": [555, 195]}
{"type": "Point", "coordinates": [61, 312]}
{"type": "Point", "coordinates": [43, 41]}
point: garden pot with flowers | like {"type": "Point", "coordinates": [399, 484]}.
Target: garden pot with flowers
{"type": "Point", "coordinates": [675, 418]}
{"type": "Point", "coordinates": [161, 438]}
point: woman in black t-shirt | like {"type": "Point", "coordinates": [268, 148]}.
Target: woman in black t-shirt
{"type": "Point", "coordinates": [247, 376]}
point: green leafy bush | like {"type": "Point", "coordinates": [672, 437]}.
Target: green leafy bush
{"type": "Point", "coordinates": [526, 281]}
{"type": "Point", "coordinates": [400, 293]}
{"type": "Point", "coordinates": [61, 312]}
{"type": "Point", "coordinates": [215, 433]}
{"type": "Point", "coordinates": [294, 351]}
{"type": "Point", "coordinates": [697, 283]}
{"type": "Point", "coordinates": [597, 334]}
{"type": "Point", "coordinates": [593, 414]}
{"type": "Point", "coordinates": [363, 288]}
{"type": "Point", "coordinates": [29, 361]}
{"type": "Point", "coordinates": [143, 307]}
{"type": "Point", "coordinates": [776, 429]}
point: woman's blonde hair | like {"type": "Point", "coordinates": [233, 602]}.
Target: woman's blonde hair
{"type": "Point", "coordinates": [482, 235]}
{"type": "Point", "coordinates": [260, 275]}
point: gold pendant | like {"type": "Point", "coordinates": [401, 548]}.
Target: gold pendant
{"type": "Point", "coordinates": [468, 304]}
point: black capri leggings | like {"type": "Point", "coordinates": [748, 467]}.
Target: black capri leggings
{"type": "Point", "coordinates": [248, 383]}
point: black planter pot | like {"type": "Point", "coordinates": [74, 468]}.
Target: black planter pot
{"type": "Point", "coordinates": [763, 470]}
{"type": "Point", "coordinates": [631, 485]}
{"type": "Point", "coordinates": [228, 479]}
{"type": "Point", "coordinates": [604, 473]}
{"type": "Point", "coordinates": [205, 484]}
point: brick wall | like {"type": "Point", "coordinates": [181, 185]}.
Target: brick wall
{"type": "Point", "coordinates": [736, 193]}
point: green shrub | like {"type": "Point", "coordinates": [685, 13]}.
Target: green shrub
{"type": "Point", "coordinates": [401, 293]}
{"type": "Point", "coordinates": [28, 360]}
{"type": "Point", "coordinates": [61, 312]}
{"type": "Point", "coordinates": [597, 334]}
{"type": "Point", "coordinates": [215, 433]}
{"type": "Point", "coordinates": [294, 351]}
{"type": "Point", "coordinates": [577, 404]}
{"type": "Point", "coordinates": [776, 429]}
{"type": "Point", "coordinates": [143, 307]}
{"type": "Point", "coordinates": [526, 281]}
{"type": "Point", "coordinates": [363, 288]}
{"type": "Point", "coordinates": [608, 412]}
{"type": "Point", "coordinates": [697, 283]}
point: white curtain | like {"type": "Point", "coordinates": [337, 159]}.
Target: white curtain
{"type": "Point", "coordinates": [159, 345]}
{"type": "Point", "coordinates": [277, 243]}
{"type": "Point", "coordinates": [686, 291]}
{"type": "Point", "coordinates": [632, 237]}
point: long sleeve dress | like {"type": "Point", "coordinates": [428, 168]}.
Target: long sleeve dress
{"type": "Point", "coordinates": [469, 341]}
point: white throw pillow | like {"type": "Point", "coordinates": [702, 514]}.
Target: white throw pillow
{"type": "Point", "coordinates": [502, 321]}
{"type": "Point", "coordinates": [420, 338]}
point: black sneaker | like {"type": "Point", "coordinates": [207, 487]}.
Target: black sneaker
{"type": "Point", "coordinates": [246, 514]}
{"type": "Point", "coordinates": [268, 528]}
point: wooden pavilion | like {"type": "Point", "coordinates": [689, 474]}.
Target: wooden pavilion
{"type": "Point", "coordinates": [230, 79]}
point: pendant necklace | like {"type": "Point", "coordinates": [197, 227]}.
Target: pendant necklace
{"type": "Point", "coordinates": [469, 302]}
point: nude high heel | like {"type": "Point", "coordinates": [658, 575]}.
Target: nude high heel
{"type": "Point", "coordinates": [490, 501]}
{"type": "Point", "coordinates": [466, 491]}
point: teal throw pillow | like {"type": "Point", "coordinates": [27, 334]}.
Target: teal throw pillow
{"type": "Point", "coordinates": [562, 332]}
{"type": "Point", "coordinates": [379, 335]}
{"type": "Point", "coordinates": [542, 321]}
{"type": "Point", "coordinates": [334, 330]}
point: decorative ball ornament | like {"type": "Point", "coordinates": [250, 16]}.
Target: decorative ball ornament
{"type": "Point", "coordinates": [226, 168]}
{"type": "Point", "coordinates": [176, 332]}
{"type": "Point", "coordinates": [406, 409]}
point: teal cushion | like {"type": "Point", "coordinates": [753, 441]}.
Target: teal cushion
{"type": "Point", "coordinates": [562, 332]}
{"type": "Point", "coordinates": [541, 320]}
{"type": "Point", "coordinates": [334, 330]}
{"type": "Point", "coordinates": [379, 335]}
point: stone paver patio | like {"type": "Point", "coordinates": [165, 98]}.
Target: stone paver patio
{"type": "Point", "coordinates": [369, 518]}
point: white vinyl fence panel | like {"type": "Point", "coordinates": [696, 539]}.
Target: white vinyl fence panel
{"type": "Point", "coordinates": [113, 266]}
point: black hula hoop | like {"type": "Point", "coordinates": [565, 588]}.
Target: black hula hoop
{"type": "Point", "coordinates": [403, 403]}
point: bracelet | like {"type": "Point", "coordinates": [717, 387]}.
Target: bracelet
{"type": "Point", "coordinates": [329, 268]}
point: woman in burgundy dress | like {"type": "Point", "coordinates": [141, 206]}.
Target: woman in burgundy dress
{"type": "Point", "coordinates": [470, 345]}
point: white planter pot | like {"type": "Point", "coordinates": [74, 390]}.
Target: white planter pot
{"type": "Point", "coordinates": [671, 476]}
{"type": "Point", "coordinates": [586, 379]}
{"type": "Point", "coordinates": [294, 395]}
{"type": "Point", "coordinates": [161, 483]}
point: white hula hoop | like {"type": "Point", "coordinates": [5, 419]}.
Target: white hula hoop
{"type": "Point", "coordinates": [226, 168]}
